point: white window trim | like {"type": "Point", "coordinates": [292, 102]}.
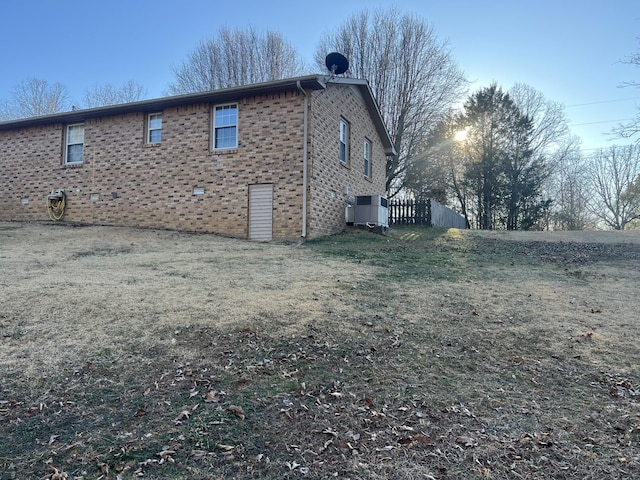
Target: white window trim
{"type": "Point", "coordinates": [149, 129]}
{"type": "Point", "coordinates": [367, 157]}
{"type": "Point", "coordinates": [345, 140]}
{"type": "Point", "coordinates": [213, 127]}
{"type": "Point", "coordinates": [67, 144]}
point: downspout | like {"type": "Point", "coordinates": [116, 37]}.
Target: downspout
{"type": "Point", "coordinates": [305, 159]}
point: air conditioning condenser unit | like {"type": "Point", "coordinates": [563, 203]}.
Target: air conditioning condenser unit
{"type": "Point", "coordinates": [371, 210]}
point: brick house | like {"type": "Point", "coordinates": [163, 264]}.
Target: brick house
{"type": "Point", "coordinates": [275, 160]}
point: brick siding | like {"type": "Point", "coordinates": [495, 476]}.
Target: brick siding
{"type": "Point", "coordinates": [332, 182]}
{"type": "Point", "coordinates": [124, 181]}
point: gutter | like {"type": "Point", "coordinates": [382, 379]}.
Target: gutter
{"type": "Point", "coordinates": [229, 94]}
{"type": "Point", "coordinates": [305, 160]}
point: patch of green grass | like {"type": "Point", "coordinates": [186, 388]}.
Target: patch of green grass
{"type": "Point", "coordinates": [432, 253]}
{"type": "Point", "coordinates": [404, 252]}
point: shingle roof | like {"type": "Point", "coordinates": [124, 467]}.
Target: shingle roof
{"type": "Point", "coordinates": [312, 82]}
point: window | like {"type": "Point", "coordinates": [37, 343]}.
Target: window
{"type": "Point", "coordinates": [225, 127]}
{"type": "Point", "coordinates": [344, 142]}
{"type": "Point", "coordinates": [74, 150]}
{"type": "Point", "coordinates": [367, 158]}
{"type": "Point", "coordinates": [154, 128]}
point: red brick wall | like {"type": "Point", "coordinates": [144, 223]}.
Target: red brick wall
{"type": "Point", "coordinates": [123, 181]}
{"type": "Point", "coordinates": [330, 178]}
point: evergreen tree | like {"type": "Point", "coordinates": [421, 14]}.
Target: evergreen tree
{"type": "Point", "coordinates": [500, 168]}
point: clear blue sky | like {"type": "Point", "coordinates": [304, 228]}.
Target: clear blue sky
{"type": "Point", "coordinates": [570, 50]}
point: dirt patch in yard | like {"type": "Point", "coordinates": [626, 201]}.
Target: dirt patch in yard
{"type": "Point", "coordinates": [425, 353]}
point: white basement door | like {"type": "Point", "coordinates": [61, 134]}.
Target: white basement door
{"type": "Point", "coordinates": [261, 212]}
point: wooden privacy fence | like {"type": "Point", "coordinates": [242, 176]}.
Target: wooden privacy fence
{"type": "Point", "coordinates": [424, 212]}
{"type": "Point", "coordinates": [410, 212]}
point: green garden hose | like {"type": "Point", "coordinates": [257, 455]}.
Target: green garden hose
{"type": "Point", "coordinates": [56, 203]}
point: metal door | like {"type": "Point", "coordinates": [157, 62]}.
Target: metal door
{"type": "Point", "coordinates": [261, 212]}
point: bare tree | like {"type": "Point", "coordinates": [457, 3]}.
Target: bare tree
{"type": "Point", "coordinates": [550, 140]}
{"type": "Point", "coordinates": [632, 128]}
{"type": "Point", "coordinates": [614, 174]}
{"type": "Point", "coordinates": [549, 119]}
{"type": "Point", "coordinates": [412, 74]}
{"type": "Point", "coordinates": [569, 188]}
{"type": "Point", "coordinates": [428, 176]}
{"type": "Point", "coordinates": [107, 94]}
{"type": "Point", "coordinates": [35, 97]}
{"type": "Point", "coordinates": [236, 57]}
{"type": "Point", "coordinates": [435, 173]}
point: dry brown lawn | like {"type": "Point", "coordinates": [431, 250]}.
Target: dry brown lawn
{"type": "Point", "coordinates": [432, 354]}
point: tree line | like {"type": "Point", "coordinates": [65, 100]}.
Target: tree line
{"type": "Point", "coordinates": [504, 160]}
{"type": "Point", "coordinates": [507, 161]}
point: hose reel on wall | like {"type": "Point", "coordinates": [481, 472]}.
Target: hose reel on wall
{"type": "Point", "coordinates": [56, 203]}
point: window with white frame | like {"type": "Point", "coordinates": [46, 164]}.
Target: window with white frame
{"type": "Point", "coordinates": [74, 148]}
{"type": "Point", "coordinates": [154, 128]}
{"type": "Point", "coordinates": [225, 127]}
{"type": "Point", "coordinates": [344, 141]}
{"type": "Point", "coordinates": [367, 158]}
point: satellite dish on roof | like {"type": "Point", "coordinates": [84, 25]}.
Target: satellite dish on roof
{"type": "Point", "coordinates": [336, 63]}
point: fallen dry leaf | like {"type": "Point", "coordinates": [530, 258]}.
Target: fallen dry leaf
{"type": "Point", "coordinates": [466, 441]}
{"type": "Point", "coordinates": [165, 453]}
{"type": "Point", "coordinates": [183, 415]}
{"type": "Point", "coordinates": [58, 474]}
{"type": "Point", "coordinates": [424, 440]}
{"type": "Point", "coordinates": [104, 468]}
{"type": "Point", "coordinates": [292, 465]}
{"type": "Point", "coordinates": [330, 431]}
{"type": "Point", "coordinates": [237, 411]}
{"type": "Point", "coordinates": [198, 454]}
{"type": "Point", "coordinates": [227, 450]}
{"type": "Point", "coordinates": [213, 396]}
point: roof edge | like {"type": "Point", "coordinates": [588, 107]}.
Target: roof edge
{"type": "Point", "coordinates": [372, 106]}
{"type": "Point", "coordinates": [314, 82]}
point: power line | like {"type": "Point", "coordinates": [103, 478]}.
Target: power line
{"type": "Point", "coordinates": [603, 121]}
{"type": "Point", "coordinates": [603, 101]}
